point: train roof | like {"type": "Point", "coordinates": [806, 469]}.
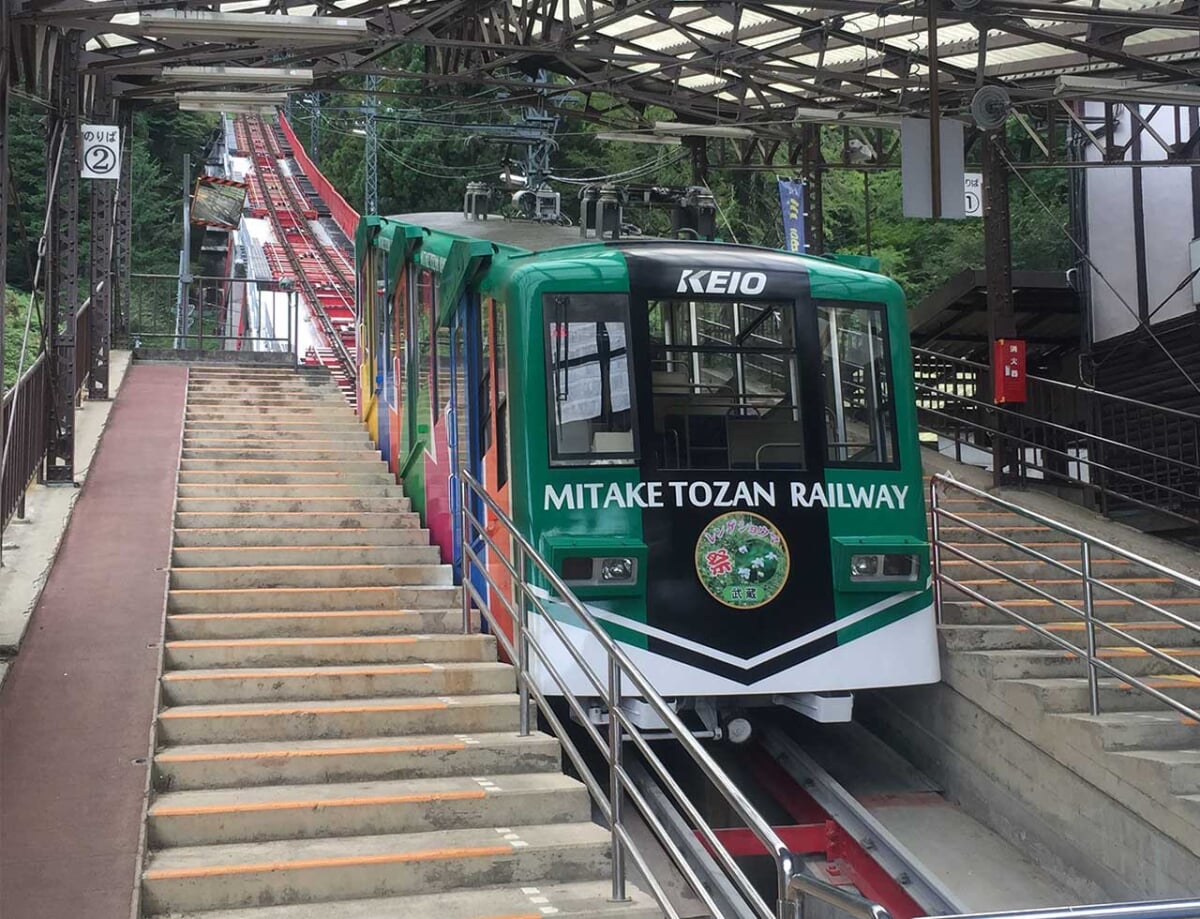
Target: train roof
{"type": "Point", "coordinates": [522, 234]}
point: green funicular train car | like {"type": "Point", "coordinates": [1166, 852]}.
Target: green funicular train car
{"type": "Point", "coordinates": [715, 445]}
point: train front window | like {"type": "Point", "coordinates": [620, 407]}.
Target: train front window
{"type": "Point", "coordinates": [590, 389]}
{"type": "Point", "coordinates": [726, 385]}
{"type": "Point", "coordinates": [860, 416]}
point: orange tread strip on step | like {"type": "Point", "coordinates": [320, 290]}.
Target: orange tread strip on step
{"type": "Point", "coordinates": [292, 642]}
{"type": "Point", "coordinates": [302, 754]}
{"type": "Point", "coordinates": [378, 801]}
{"type": "Point", "coordinates": [186, 675]}
{"type": "Point", "coordinates": [398, 858]}
{"type": "Point", "coordinates": [299, 614]}
{"type": "Point", "coordinates": [348, 710]}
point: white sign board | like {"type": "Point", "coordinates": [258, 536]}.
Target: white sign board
{"type": "Point", "coordinates": [101, 157]}
{"type": "Point", "coordinates": [973, 193]}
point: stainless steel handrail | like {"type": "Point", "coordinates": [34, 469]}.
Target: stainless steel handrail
{"type": "Point", "coordinates": [1188, 908]}
{"type": "Point", "coordinates": [620, 670]}
{"type": "Point", "coordinates": [1089, 582]}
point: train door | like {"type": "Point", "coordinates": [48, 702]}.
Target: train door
{"type": "Point", "coordinates": [367, 342]}
{"type": "Point", "coordinates": [492, 419]}
{"type": "Point", "coordinates": [466, 364]}
{"type": "Point", "coordinates": [383, 367]}
{"type": "Point", "coordinates": [398, 325]}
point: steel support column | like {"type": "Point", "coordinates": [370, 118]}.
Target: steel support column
{"type": "Point", "coordinates": [101, 199]}
{"type": "Point", "coordinates": [62, 262]}
{"type": "Point", "coordinates": [371, 157]}
{"type": "Point", "coordinates": [5, 63]}
{"type": "Point", "coordinates": [997, 247]}
{"type": "Point", "coordinates": [123, 229]}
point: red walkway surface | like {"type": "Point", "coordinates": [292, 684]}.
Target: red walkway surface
{"type": "Point", "coordinates": [76, 710]}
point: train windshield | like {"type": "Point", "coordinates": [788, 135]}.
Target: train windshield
{"type": "Point", "coordinates": [591, 389]}
{"type": "Point", "coordinates": [859, 416]}
{"type": "Point", "coordinates": [725, 385]}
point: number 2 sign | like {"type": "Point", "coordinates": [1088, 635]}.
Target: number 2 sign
{"type": "Point", "coordinates": [101, 155]}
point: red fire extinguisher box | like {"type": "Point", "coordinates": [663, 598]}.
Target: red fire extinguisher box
{"type": "Point", "coordinates": [1008, 370]}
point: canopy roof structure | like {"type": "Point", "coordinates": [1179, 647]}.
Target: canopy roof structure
{"type": "Point", "coordinates": [766, 65]}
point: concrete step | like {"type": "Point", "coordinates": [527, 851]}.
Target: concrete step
{"type": "Point", "coordinates": [1071, 694]}
{"type": "Point", "coordinates": [358, 439]}
{"type": "Point", "coordinates": [284, 599]}
{"type": "Point", "coordinates": [324, 870]}
{"type": "Point", "coordinates": [578, 900]}
{"type": "Point", "coordinates": [294, 428]}
{"type": "Point", "coordinates": [233, 478]}
{"type": "Point", "coordinates": [268, 462]}
{"type": "Point", "coordinates": [271, 812]}
{"type": "Point", "coordinates": [1028, 569]}
{"type": "Point", "coordinates": [351, 520]}
{"type": "Point", "coordinates": [1068, 588]}
{"type": "Point", "coordinates": [299, 537]}
{"type": "Point", "coordinates": [207, 394]}
{"type": "Point", "coordinates": [1067, 551]}
{"type": "Point", "coordinates": [356, 681]}
{"type": "Point", "coordinates": [1176, 770]}
{"type": "Point", "coordinates": [282, 406]}
{"type": "Point", "coordinates": [1052, 664]}
{"type": "Point", "coordinates": [290, 491]}
{"type": "Point", "coordinates": [1021, 532]}
{"type": "Point", "coordinates": [316, 651]}
{"type": "Point", "coordinates": [315, 576]}
{"type": "Point", "coordinates": [355, 759]}
{"type": "Point", "coordinates": [1136, 729]}
{"type": "Point", "coordinates": [320, 718]}
{"type": "Point", "coordinates": [974, 612]}
{"type": "Point", "coordinates": [257, 505]}
{"type": "Point", "coordinates": [363, 554]}
{"type": "Point", "coordinates": [324, 623]}
{"type": "Point", "coordinates": [1000, 637]}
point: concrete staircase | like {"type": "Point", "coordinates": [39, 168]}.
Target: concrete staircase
{"type": "Point", "coordinates": [1138, 751]}
{"type": "Point", "coordinates": [329, 744]}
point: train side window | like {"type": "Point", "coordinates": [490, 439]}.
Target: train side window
{"type": "Point", "coordinates": [860, 413]}
{"type": "Point", "coordinates": [441, 372]}
{"type": "Point", "coordinates": [590, 385]}
{"type": "Point", "coordinates": [398, 359]}
{"type": "Point", "coordinates": [501, 398]}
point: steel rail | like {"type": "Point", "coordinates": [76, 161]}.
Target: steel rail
{"type": "Point", "coordinates": [256, 132]}
{"type": "Point", "coordinates": [905, 868]}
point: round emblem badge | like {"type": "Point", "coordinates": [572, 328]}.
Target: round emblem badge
{"type": "Point", "coordinates": [742, 560]}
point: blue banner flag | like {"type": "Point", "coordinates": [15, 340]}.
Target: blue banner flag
{"type": "Point", "coordinates": [791, 202]}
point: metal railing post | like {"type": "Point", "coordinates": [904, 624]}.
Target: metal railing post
{"type": "Point", "coordinates": [616, 790]}
{"type": "Point", "coordinates": [464, 522]}
{"type": "Point", "coordinates": [935, 553]}
{"type": "Point", "coordinates": [1089, 626]}
{"type": "Point", "coordinates": [520, 624]}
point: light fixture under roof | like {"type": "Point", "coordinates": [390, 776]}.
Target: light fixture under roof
{"type": "Point", "coordinates": [220, 74]}
{"type": "Point", "coordinates": [636, 137]}
{"type": "Point", "coordinates": [248, 103]}
{"type": "Point", "coordinates": [1141, 91]}
{"type": "Point", "coordinates": [263, 28]}
{"type": "Point", "coordinates": [680, 129]}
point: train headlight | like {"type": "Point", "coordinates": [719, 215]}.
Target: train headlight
{"type": "Point", "coordinates": [863, 566]}
{"type": "Point", "coordinates": [616, 569]}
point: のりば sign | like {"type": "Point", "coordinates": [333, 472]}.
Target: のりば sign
{"type": "Point", "coordinates": [100, 153]}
